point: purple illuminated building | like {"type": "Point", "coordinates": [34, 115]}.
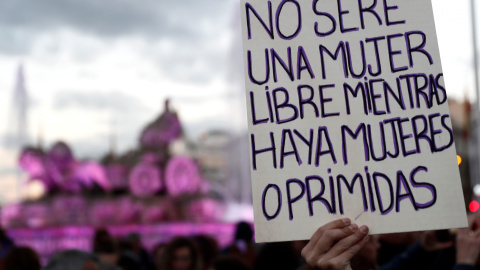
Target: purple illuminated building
{"type": "Point", "coordinates": [145, 190]}
{"type": "Point", "coordinates": [145, 185]}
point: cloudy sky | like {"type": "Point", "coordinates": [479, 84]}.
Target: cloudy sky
{"type": "Point", "coordinates": [94, 68]}
{"type": "Point", "coordinates": [99, 66]}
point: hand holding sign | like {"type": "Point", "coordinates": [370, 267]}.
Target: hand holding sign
{"type": "Point", "coordinates": [334, 244]}
{"type": "Point", "coordinates": [339, 245]}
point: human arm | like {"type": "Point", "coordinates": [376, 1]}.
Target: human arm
{"type": "Point", "coordinates": [468, 244]}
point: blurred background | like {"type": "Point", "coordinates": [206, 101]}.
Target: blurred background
{"type": "Point", "coordinates": [94, 74]}
{"type": "Point", "coordinates": [140, 104]}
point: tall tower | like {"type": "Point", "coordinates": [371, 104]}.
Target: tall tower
{"type": "Point", "coordinates": [20, 109]}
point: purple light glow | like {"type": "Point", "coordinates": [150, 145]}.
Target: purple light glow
{"type": "Point", "coordinates": [32, 161]}
{"type": "Point", "coordinates": [117, 174]}
{"type": "Point", "coordinates": [11, 215]}
{"type": "Point", "coordinates": [163, 130]}
{"type": "Point", "coordinates": [153, 214]}
{"type": "Point", "coordinates": [145, 180]}
{"type": "Point", "coordinates": [37, 215]}
{"type": "Point", "coordinates": [53, 173]}
{"type": "Point", "coordinates": [89, 173]}
{"type": "Point", "coordinates": [181, 176]}
{"type": "Point", "coordinates": [69, 210]}
{"type": "Point", "coordinates": [78, 210]}
{"type": "Point", "coordinates": [103, 212]}
{"type": "Point", "coordinates": [61, 155]}
{"type": "Point", "coordinates": [38, 167]}
{"type": "Point", "coordinates": [150, 158]}
{"type": "Point", "coordinates": [128, 211]}
{"type": "Point", "coordinates": [49, 241]}
{"type": "Point", "coordinates": [205, 210]}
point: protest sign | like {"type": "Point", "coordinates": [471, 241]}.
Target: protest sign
{"type": "Point", "coordinates": [348, 117]}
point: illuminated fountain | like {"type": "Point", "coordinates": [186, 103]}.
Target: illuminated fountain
{"type": "Point", "coordinates": [147, 190]}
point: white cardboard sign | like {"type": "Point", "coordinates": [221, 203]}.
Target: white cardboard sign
{"type": "Point", "coordinates": [348, 117]}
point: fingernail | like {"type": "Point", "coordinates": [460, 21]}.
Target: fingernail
{"type": "Point", "coordinates": [353, 227]}
{"type": "Point", "coordinates": [364, 229]}
{"type": "Point", "coordinates": [346, 221]}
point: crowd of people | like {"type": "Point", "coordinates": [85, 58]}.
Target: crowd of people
{"type": "Point", "coordinates": [338, 245]}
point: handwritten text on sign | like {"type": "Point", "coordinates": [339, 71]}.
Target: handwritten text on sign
{"type": "Point", "coordinates": [348, 116]}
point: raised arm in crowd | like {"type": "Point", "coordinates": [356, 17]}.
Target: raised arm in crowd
{"type": "Point", "coordinates": [342, 245]}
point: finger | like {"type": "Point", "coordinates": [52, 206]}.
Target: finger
{"type": "Point", "coordinates": [347, 255]}
{"type": "Point", "coordinates": [468, 233]}
{"type": "Point", "coordinates": [347, 243]}
{"type": "Point", "coordinates": [339, 223]}
{"type": "Point", "coordinates": [331, 237]}
{"type": "Point", "coordinates": [463, 232]}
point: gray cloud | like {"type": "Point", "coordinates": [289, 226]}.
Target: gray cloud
{"type": "Point", "coordinates": [194, 28]}
{"type": "Point", "coordinates": [128, 112]}
{"type": "Point", "coordinates": [89, 16]}
{"type": "Point", "coordinates": [195, 63]}
{"type": "Point", "coordinates": [91, 100]}
{"type": "Point", "coordinates": [10, 141]}
{"type": "Point", "coordinates": [194, 130]}
{"type": "Point", "coordinates": [129, 116]}
{"type": "Point", "coordinates": [90, 148]}
{"type": "Point", "coordinates": [112, 18]}
{"type": "Point", "coordinates": [15, 41]}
